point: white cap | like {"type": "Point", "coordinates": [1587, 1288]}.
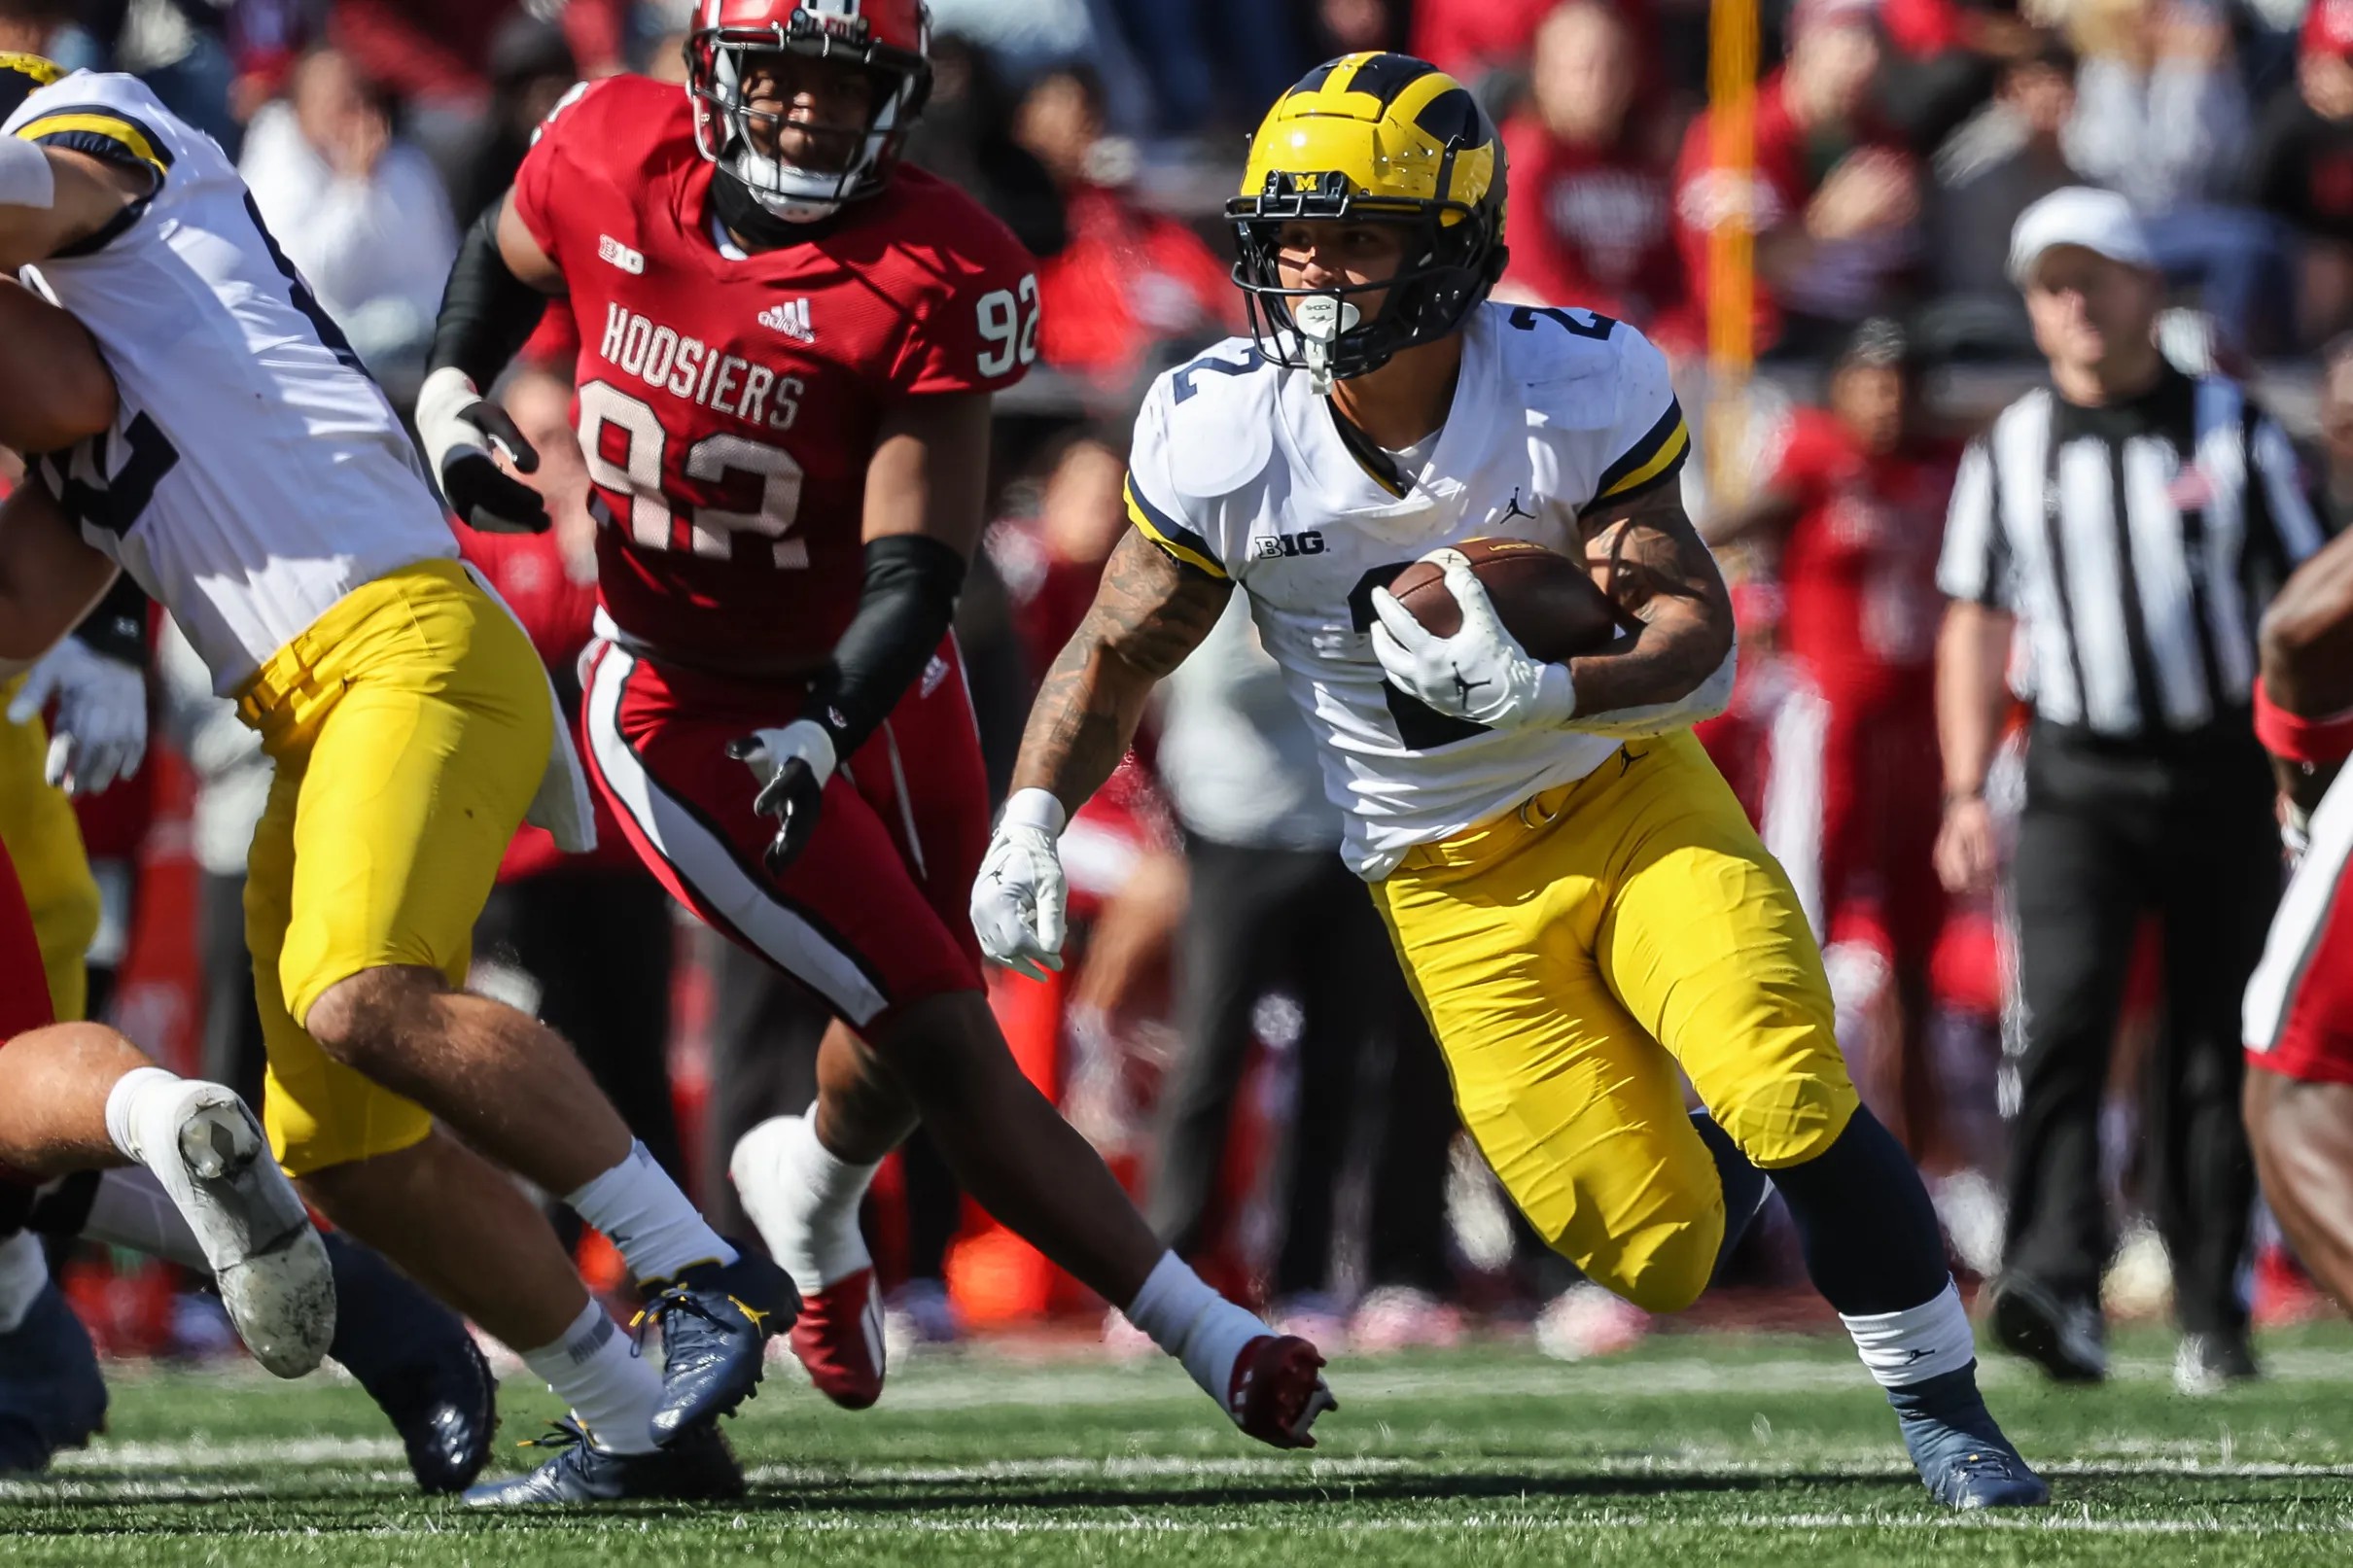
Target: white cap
{"type": "Point", "coordinates": [2098, 221]}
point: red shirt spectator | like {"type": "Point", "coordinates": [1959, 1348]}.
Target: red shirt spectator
{"type": "Point", "coordinates": [1127, 279]}
{"type": "Point", "coordinates": [1590, 220]}
{"type": "Point", "coordinates": [1858, 570]}
{"type": "Point", "coordinates": [1832, 199]}
{"type": "Point", "coordinates": [1468, 38]}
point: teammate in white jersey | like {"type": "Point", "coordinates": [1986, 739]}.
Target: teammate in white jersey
{"type": "Point", "coordinates": [1580, 904]}
{"type": "Point", "coordinates": [255, 481]}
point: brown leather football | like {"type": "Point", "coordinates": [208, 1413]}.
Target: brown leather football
{"type": "Point", "coordinates": [1546, 600]}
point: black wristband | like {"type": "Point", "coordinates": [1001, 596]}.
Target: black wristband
{"type": "Point", "coordinates": [487, 313]}
{"type": "Point", "coordinates": [903, 611]}
{"type": "Point", "coordinates": [117, 625]}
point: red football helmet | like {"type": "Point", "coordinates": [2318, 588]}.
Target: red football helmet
{"type": "Point", "coordinates": [890, 37]}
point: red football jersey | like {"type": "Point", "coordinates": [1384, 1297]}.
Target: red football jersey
{"type": "Point", "coordinates": [1589, 227]}
{"type": "Point", "coordinates": [728, 403]}
{"type": "Point", "coordinates": [1858, 573]}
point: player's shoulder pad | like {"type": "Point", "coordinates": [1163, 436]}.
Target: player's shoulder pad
{"type": "Point", "coordinates": [616, 117]}
{"type": "Point", "coordinates": [1214, 418]}
{"type": "Point", "coordinates": [105, 114]}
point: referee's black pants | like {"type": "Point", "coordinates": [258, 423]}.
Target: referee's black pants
{"type": "Point", "coordinates": [2113, 830]}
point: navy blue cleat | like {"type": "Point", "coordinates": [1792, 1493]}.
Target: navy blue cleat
{"type": "Point", "coordinates": [1963, 1459]}
{"type": "Point", "coordinates": [717, 1320]}
{"type": "Point", "coordinates": [417, 1361]}
{"type": "Point", "coordinates": [697, 1465]}
{"type": "Point", "coordinates": [50, 1394]}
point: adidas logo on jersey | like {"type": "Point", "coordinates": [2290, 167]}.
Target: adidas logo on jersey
{"type": "Point", "coordinates": [790, 318]}
{"type": "Point", "coordinates": [609, 249]}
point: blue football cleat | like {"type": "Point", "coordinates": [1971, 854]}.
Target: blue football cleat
{"type": "Point", "coordinates": [717, 1320]}
{"type": "Point", "coordinates": [417, 1361]}
{"type": "Point", "coordinates": [697, 1465]}
{"type": "Point", "coordinates": [51, 1396]}
{"type": "Point", "coordinates": [1963, 1459]}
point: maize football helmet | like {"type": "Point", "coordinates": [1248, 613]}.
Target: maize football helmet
{"type": "Point", "coordinates": [890, 39]}
{"type": "Point", "coordinates": [1371, 138]}
{"type": "Point", "coordinates": [23, 75]}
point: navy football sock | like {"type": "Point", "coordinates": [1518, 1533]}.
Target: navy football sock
{"type": "Point", "coordinates": [1866, 1225]}
{"type": "Point", "coordinates": [1743, 1183]}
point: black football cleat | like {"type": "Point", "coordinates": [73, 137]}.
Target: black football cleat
{"type": "Point", "coordinates": [2065, 1337]}
{"type": "Point", "coordinates": [418, 1363]}
{"type": "Point", "coordinates": [695, 1466]}
{"type": "Point", "coordinates": [1962, 1454]}
{"type": "Point", "coordinates": [717, 1320]}
{"type": "Point", "coordinates": [51, 1396]}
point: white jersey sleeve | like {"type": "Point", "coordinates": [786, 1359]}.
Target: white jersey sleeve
{"type": "Point", "coordinates": [1205, 431]}
{"type": "Point", "coordinates": [255, 473]}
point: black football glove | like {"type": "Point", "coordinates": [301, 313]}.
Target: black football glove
{"type": "Point", "coordinates": [458, 426]}
{"type": "Point", "coordinates": [792, 765]}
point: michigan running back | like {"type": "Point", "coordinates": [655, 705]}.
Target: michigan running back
{"type": "Point", "coordinates": [1577, 899]}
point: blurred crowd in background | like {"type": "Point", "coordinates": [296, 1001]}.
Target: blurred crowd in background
{"type": "Point", "coordinates": [1232, 1032]}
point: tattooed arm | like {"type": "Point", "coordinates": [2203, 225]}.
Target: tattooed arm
{"type": "Point", "coordinates": [1149, 612]}
{"type": "Point", "coordinates": [1647, 557]}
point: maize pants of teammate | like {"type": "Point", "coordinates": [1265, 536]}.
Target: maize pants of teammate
{"type": "Point", "coordinates": [1572, 955]}
{"type": "Point", "coordinates": [44, 842]}
{"type": "Point", "coordinates": [411, 725]}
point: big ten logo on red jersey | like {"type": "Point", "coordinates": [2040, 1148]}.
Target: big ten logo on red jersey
{"type": "Point", "coordinates": [626, 443]}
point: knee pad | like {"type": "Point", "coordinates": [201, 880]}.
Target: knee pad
{"type": "Point", "coordinates": [1790, 1116]}
{"type": "Point", "coordinates": [1665, 1266]}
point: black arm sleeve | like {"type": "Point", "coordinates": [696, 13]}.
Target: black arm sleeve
{"type": "Point", "coordinates": [117, 625]}
{"type": "Point", "coordinates": [903, 611]}
{"type": "Point", "coordinates": [487, 313]}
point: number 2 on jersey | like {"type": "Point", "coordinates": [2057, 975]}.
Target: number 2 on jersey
{"type": "Point", "coordinates": [637, 473]}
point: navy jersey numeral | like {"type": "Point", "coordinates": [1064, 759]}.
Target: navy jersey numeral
{"type": "Point", "coordinates": [1218, 365]}
{"type": "Point", "coordinates": [114, 502]}
{"type": "Point", "coordinates": [1524, 317]}
{"type": "Point", "coordinates": [1419, 726]}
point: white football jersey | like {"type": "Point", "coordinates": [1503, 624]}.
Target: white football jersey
{"type": "Point", "coordinates": [1241, 471]}
{"type": "Point", "coordinates": [255, 475]}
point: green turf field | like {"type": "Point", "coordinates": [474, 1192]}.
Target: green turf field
{"type": "Point", "coordinates": [1696, 1450]}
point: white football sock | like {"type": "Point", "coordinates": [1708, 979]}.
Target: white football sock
{"type": "Point", "coordinates": [145, 1101]}
{"type": "Point", "coordinates": [815, 1237]}
{"type": "Point", "coordinates": [131, 1209]}
{"type": "Point", "coordinates": [595, 1369]}
{"type": "Point", "coordinates": [1195, 1325]}
{"type": "Point", "coordinates": [23, 1271]}
{"type": "Point", "coordinates": [1918, 1343]}
{"type": "Point", "coordinates": [643, 1213]}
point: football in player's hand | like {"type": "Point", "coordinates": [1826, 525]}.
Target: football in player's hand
{"type": "Point", "coordinates": [1545, 599]}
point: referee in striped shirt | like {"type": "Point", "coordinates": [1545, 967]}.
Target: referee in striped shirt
{"type": "Point", "coordinates": [2112, 540]}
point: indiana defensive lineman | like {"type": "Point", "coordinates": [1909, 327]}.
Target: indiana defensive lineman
{"type": "Point", "coordinates": [1855, 510]}
{"type": "Point", "coordinates": [790, 346]}
{"type": "Point", "coordinates": [2300, 1003]}
{"type": "Point", "coordinates": [1578, 901]}
{"type": "Point", "coordinates": [254, 480]}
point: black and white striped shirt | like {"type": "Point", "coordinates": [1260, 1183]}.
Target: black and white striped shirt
{"type": "Point", "coordinates": [2135, 548]}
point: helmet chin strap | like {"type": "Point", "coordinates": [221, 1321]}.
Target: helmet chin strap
{"type": "Point", "coordinates": [1323, 319]}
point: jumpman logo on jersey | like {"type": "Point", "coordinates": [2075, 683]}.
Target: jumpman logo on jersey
{"type": "Point", "coordinates": [1511, 509]}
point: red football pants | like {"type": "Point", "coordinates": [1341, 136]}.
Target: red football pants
{"type": "Point", "coordinates": [875, 912]}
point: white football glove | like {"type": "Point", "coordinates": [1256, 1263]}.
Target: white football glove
{"type": "Point", "coordinates": [1480, 674]}
{"type": "Point", "coordinates": [1019, 896]}
{"type": "Point", "coordinates": [792, 765]}
{"type": "Point", "coordinates": [100, 734]}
